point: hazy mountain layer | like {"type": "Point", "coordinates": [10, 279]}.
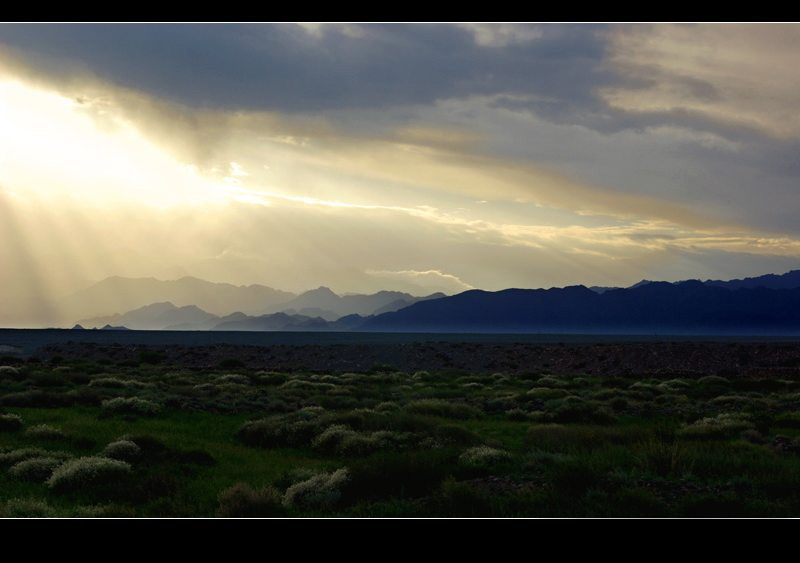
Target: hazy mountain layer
{"type": "Point", "coordinates": [116, 294]}
{"type": "Point", "coordinates": [323, 300]}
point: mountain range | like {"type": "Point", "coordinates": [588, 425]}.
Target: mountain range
{"type": "Point", "coordinates": [116, 294]}
{"type": "Point", "coordinates": [764, 304]}
{"type": "Point", "coordinates": [656, 307]}
{"type": "Point", "coordinates": [318, 309]}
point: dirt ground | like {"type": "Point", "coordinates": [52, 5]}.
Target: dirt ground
{"type": "Point", "coordinates": [649, 358]}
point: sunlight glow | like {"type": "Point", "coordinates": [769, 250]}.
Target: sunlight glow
{"type": "Point", "coordinates": [53, 145]}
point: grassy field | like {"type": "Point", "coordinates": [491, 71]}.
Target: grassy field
{"type": "Point", "coordinates": [142, 439]}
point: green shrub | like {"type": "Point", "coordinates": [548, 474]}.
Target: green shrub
{"type": "Point", "coordinates": [664, 458]}
{"type": "Point", "coordinates": [276, 432]}
{"type": "Point", "coordinates": [27, 508]}
{"type": "Point", "coordinates": [574, 477]}
{"type": "Point", "coordinates": [358, 444]}
{"type": "Point", "coordinates": [35, 469]}
{"type": "Point", "coordinates": [558, 437]}
{"type": "Point", "coordinates": [15, 456]}
{"type": "Point", "coordinates": [10, 422]}
{"type": "Point", "coordinates": [8, 372]}
{"type": "Point", "coordinates": [47, 379]}
{"type": "Point", "coordinates": [401, 474]}
{"type": "Point", "coordinates": [45, 432]}
{"type": "Point", "coordinates": [788, 420]}
{"type": "Point", "coordinates": [444, 409]}
{"type": "Point", "coordinates": [634, 502]}
{"type": "Point", "coordinates": [546, 393]}
{"type": "Point", "coordinates": [517, 415]}
{"type": "Point", "coordinates": [726, 425]}
{"type": "Point", "coordinates": [86, 473]}
{"type": "Point", "coordinates": [575, 409]}
{"type": "Point", "coordinates": [551, 381]}
{"type": "Point", "coordinates": [104, 511]}
{"type": "Point", "coordinates": [461, 499]}
{"type": "Point", "coordinates": [242, 501]}
{"type": "Point", "coordinates": [35, 398]}
{"type": "Point", "coordinates": [234, 378]}
{"type": "Point", "coordinates": [454, 435]}
{"type": "Point", "coordinates": [108, 383]}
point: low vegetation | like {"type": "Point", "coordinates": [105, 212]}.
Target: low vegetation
{"type": "Point", "coordinates": [84, 438]}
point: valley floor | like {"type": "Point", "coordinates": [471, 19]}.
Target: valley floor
{"type": "Point", "coordinates": [602, 430]}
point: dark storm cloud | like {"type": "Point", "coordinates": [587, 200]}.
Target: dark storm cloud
{"type": "Point", "coordinates": [287, 68]}
{"type": "Point", "coordinates": [556, 73]}
{"type": "Point", "coordinates": [284, 67]}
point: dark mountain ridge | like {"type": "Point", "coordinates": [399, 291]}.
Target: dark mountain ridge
{"type": "Point", "coordinates": [660, 307]}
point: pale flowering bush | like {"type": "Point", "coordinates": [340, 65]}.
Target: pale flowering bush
{"type": "Point", "coordinates": [387, 406]}
{"type": "Point", "coordinates": [88, 472]}
{"type": "Point", "coordinates": [123, 450]}
{"type": "Point", "coordinates": [45, 432]}
{"type": "Point", "coordinates": [8, 371]}
{"type": "Point", "coordinates": [15, 456]}
{"type": "Point", "coordinates": [242, 501]}
{"type": "Point", "coordinates": [546, 393]}
{"type": "Point", "coordinates": [302, 385]}
{"type": "Point", "coordinates": [551, 381]}
{"type": "Point", "coordinates": [342, 440]}
{"type": "Point", "coordinates": [310, 412]}
{"type": "Point", "coordinates": [208, 388]}
{"type": "Point", "coordinates": [27, 508]}
{"type": "Point", "coordinates": [234, 378]}
{"type": "Point", "coordinates": [726, 425]}
{"type": "Point", "coordinates": [322, 491]}
{"type": "Point", "coordinates": [35, 469]}
{"type": "Point", "coordinates": [130, 405]}
{"type": "Point", "coordinates": [10, 422]}
{"type": "Point", "coordinates": [444, 409]}
{"type": "Point", "coordinates": [108, 382]}
{"type": "Point", "coordinates": [103, 511]}
{"type": "Point", "coordinates": [276, 432]}
{"type": "Point", "coordinates": [332, 437]}
{"type": "Point", "coordinates": [117, 383]}
{"type": "Point", "coordinates": [713, 380]}
{"type": "Point", "coordinates": [359, 445]}
{"type": "Point", "coordinates": [481, 456]}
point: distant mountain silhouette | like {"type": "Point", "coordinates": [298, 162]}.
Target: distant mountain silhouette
{"type": "Point", "coordinates": [117, 294]}
{"type": "Point", "coordinates": [601, 289]}
{"type": "Point", "coordinates": [275, 321]}
{"type": "Point", "coordinates": [313, 312]}
{"type": "Point", "coordinates": [767, 304]}
{"type": "Point", "coordinates": [323, 300]}
{"type": "Point", "coordinates": [789, 280]}
{"type": "Point", "coordinates": [156, 316]}
{"type": "Point", "coordinates": [660, 307]}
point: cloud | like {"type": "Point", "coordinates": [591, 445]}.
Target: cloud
{"type": "Point", "coordinates": [428, 280]}
{"type": "Point", "coordinates": [287, 67]}
{"type": "Point", "coordinates": [736, 75]}
{"type": "Point", "coordinates": [504, 34]}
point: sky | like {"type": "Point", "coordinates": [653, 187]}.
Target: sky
{"type": "Point", "coordinates": [412, 157]}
